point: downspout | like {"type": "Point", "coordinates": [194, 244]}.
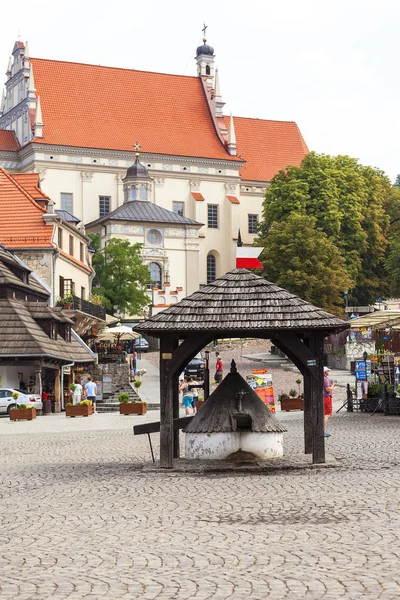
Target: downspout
{"type": "Point", "coordinates": [62, 383]}
{"type": "Point", "coordinates": [56, 255]}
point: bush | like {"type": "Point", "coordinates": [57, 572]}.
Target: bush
{"type": "Point", "coordinates": [22, 406]}
{"type": "Point", "coordinates": [283, 396]}
{"type": "Point", "coordinates": [292, 393]}
{"type": "Point", "coordinates": [85, 403]}
{"type": "Point", "coordinates": [137, 383]}
{"type": "Point", "coordinates": [123, 398]}
{"type": "Point", "coordinates": [69, 404]}
{"type": "Point", "coordinates": [15, 395]}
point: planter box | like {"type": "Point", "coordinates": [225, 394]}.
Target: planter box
{"type": "Point", "coordinates": [292, 404]}
{"type": "Point", "coordinates": [23, 414]}
{"type": "Point", "coordinates": [138, 408]}
{"type": "Point", "coordinates": [78, 410]}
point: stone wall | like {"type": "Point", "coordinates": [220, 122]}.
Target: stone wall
{"type": "Point", "coordinates": [119, 374]}
{"type": "Point", "coordinates": [40, 262]}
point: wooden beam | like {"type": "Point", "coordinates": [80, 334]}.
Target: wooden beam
{"type": "Point", "coordinates": [187, 350]}
{"type": "Point", "coordinates": [167, 345]}
{"type": "Point", "coordinates": [154, 426]}
{"type": "Point", "coordinates": [307, 414]}
{"type": "Point", "coordinates": [317, 398]}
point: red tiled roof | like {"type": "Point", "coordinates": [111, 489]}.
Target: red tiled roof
{"type": "Point", "coordinates": [8, 141]}
{"type": "Point", "coordinates": [267, 146]}
{"type": "Point", "coordinates": [21, 223]}
{"type": "Point", "coordinates": [30, 183]}
{"type": "Point", "coordinates": [233, 199]}
{"type": "Point", "coordinates": [105, 107]}
{"type": "Point", "coordinates": [197, 196]}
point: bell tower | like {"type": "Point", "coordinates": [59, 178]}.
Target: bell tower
{"type": "Point", "coordinates": [205, 60]}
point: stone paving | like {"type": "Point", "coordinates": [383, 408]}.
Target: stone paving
{"type": "Point", "coordinates": [81, 520]}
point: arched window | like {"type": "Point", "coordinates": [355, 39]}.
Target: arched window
{"type": "Point", "coordinates": [143, 192]}
{"type": "Point", "coordinates": [208, 70]}
{"type": "Point", "coordinates": [211, 268]}
{"type": "Point", "coordinates": [154, 274]}
{"type": "Point", "coordinates": [132, 193]}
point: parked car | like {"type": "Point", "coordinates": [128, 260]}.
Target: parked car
{"type": "Point", "coordinates": [140, 344]}
{"type": "Point", "coordinates": [196, 367]}
{"type": "Point", "coordinates": [7, 401]}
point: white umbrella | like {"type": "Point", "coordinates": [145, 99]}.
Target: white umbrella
{"type": "Point", "coordinates": [111, 334]}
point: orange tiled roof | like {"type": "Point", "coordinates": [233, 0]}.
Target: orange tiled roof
{"type": "Point", "coordinates": [267, 146]}
{"type": "Point", "coordinates": [30, 183]}
{"type": "Point", "coordinates": [21, 223]}
{"type": "Point", "coordinates": [8, 141]}
{"type": "Point", "coordinates": [233, 199]}
{"type": "Point", "coordinates": [105, 107]}
{"type": "Point", "coordinates": [197, 196]}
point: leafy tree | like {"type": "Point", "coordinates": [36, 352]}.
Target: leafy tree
{"type": "Point", "coordinates": [348, 202]}
{"type": "Point", "coordinates": [121, 275]}
{"type": "Point", "coordinates": [397, 182]}
{"type": "Point", "coordinates": [304, 260]}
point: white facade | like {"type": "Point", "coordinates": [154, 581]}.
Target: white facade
{"type": "Point", "coordinates": [219, 445]}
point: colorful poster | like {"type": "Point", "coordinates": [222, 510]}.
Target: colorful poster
{"type": "Point", "coordinates": [261, 382]}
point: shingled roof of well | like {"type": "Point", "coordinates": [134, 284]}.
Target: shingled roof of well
{"type": "Point", "coordinates": [216, 414]}
{"type": "Point", "coordinates": [241, 301]}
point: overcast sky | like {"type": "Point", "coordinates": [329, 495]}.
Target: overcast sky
{"type": "Point", "coordinates": [329, 65]}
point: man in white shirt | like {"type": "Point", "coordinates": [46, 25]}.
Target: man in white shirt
{"type": "Point", "coordinates": [91, 391]}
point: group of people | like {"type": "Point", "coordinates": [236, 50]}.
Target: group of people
{"type": "Point", "coordinates": [89, 392]}
{"type": "Point", "coordinates": [189, 387]}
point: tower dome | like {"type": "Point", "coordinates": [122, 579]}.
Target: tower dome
{"type": "Point", "coordinates": [137, 170]}
{"type": "Point", "coordinates": [205, 49]}
{"type": "Point", "coordinates": [137, 182]}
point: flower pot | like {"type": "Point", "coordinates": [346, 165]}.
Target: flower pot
{"type": "Point", "coordinates": [78, 410]}
{"type": "Point", "coordinates": [292, 404]}
{"type": "Point", "coordinates": [22, 414]}
{"type": "Point", "coordinates": [137, 408]}
{"type": "Point", "coordinates": [67, 306]}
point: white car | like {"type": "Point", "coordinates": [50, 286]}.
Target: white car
{"type": "Point", "coordinates": [7, 401]}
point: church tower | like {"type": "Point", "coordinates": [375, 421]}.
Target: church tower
{"type": "Point", "coordinates": [205, 61]}
{"type": "Point", "coordinates": [137, 181]}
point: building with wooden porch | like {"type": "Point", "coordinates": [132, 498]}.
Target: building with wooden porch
{"type": "Point", "coordinates": [242, 304]}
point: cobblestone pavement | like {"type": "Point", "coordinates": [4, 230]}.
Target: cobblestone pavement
{"type": "Point", "coordinates": [79, 519]}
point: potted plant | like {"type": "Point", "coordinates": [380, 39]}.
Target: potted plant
{"type": "Point", "coordinates": [291, 401]}
{"type": "Point", "coordinates": [127, 407]}
{"type": "Point", "coordinates": [67, 300]}
{"type": "Point", "coordinates": [137, 383]}
{"type": "Point", "coordinates": [96, 299]}
{"type": "Point", "coordinates": [22, 412]}
{"type": "Point", "coordinates": [83, 409]}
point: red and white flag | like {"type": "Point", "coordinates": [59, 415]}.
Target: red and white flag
{"type": "Point", "coordinates": [247, 257]}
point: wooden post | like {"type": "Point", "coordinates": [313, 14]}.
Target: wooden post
{"type": "Point", "coordinates": [175, 412]}
{"type": "Point", "coordinates": [317, 398]}
{"type": "Point", "coordinates": [57, 391]}
{"type": "Point", "coordinates": [166, 403]}
{"type": "Point", "coordinates": [308, 445]}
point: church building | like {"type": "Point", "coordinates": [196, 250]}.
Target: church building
{"type": "Point", "coordinates": [200, 177]}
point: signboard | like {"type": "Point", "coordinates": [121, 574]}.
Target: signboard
{"type": "Point", "coordinates": [311, 363]}
{"type": "Point", "coordinates": [107, 383]}
{"type": "Point", "coordinates": [99, 395]}
{"type": "Point", "coordinates": [261, 382]}
{"type": "Point", "coordinates": [361, 370]}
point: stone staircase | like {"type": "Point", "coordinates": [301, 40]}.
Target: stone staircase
{"type": "Point", "coordinates": [110, 403]}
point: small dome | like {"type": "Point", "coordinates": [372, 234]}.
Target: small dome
{"type": "Point", "coordinates": [205, 49]}
{"type": "Point", "coordinates": [137, 171]}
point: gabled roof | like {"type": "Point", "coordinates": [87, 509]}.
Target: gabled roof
{"type": "Point", "coordinates": [67, 216]}
{"type": "Point", "coordinates": [9, 265]}
{"type": "Point", "coordinates": [267, 146]}
{"type": "Point", "coordinates": [242, 301]}
{"type": "Point", "coordinates": [21, 222]}
{"type": "Point", "coordinates": [146, 212]}
{"type": "Point", "coordinates": [104, 107]}
{"type": "Point", "coordinates": [30, 183]}
{"type": "Point", "coordinates": [8, 141]}
{"type": "Point", "coordinates": [218, 413]}
{"type": "Point", "coordinates": [21, 335]}
{"type": "Point", "coordinates": [169, 114]}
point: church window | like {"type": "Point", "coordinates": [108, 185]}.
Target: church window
{"type": "Point", "coordinates": [252, 221]}
{"type": "Point", "coordinates": [154, 274]}
{"type": "Point", "coordinates": [154, 237]}
{"type": "Point", "coordinates": [104, 205]}
{"type": "Point", "coordinates": [132, 193]}
{"type": "Point", "coordinates": [178, 208]}
{"type": "Point", "coordinates": [67, 202]}
{"type": "Point", "coordinates": [212, 216]}
{"type": "Point", "coordinates": [211, 268]}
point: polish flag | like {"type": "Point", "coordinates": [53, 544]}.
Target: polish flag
{"type": "Point", "coordinates": [247, 257]}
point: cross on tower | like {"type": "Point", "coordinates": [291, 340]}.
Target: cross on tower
{"type": "Point", "coordinates": [137, 146]}
{"type": "Point", "coordinates": [204, 30]}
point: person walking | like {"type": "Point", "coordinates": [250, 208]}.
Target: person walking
{"type": "Point", "coordinates": [134, 364]}
{"type": "Point", "coordinates": [77, 393]}
{"type": "Point", "coordinates": [91, 391]}
{"type": "Point", "coordinates": [187, 396]}
{"type": "Point", "coordinates": [328, 391]}
{"type": "Point", "coordinates": [195, 392]}
{"type": "Point", "coordinates": [218, 369]}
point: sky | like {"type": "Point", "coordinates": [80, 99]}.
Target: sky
{"type": "Point", "coordinates": [329, 65]}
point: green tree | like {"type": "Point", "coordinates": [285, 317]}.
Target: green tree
{"type": "Point", "coordinates": [348, 202]}
{"type": "Point", "coordinates": [397, 182]}
{"type": "Point", "coordinates": [304, 260]}
{"type": "Point", "coordinates": [121, 277]}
